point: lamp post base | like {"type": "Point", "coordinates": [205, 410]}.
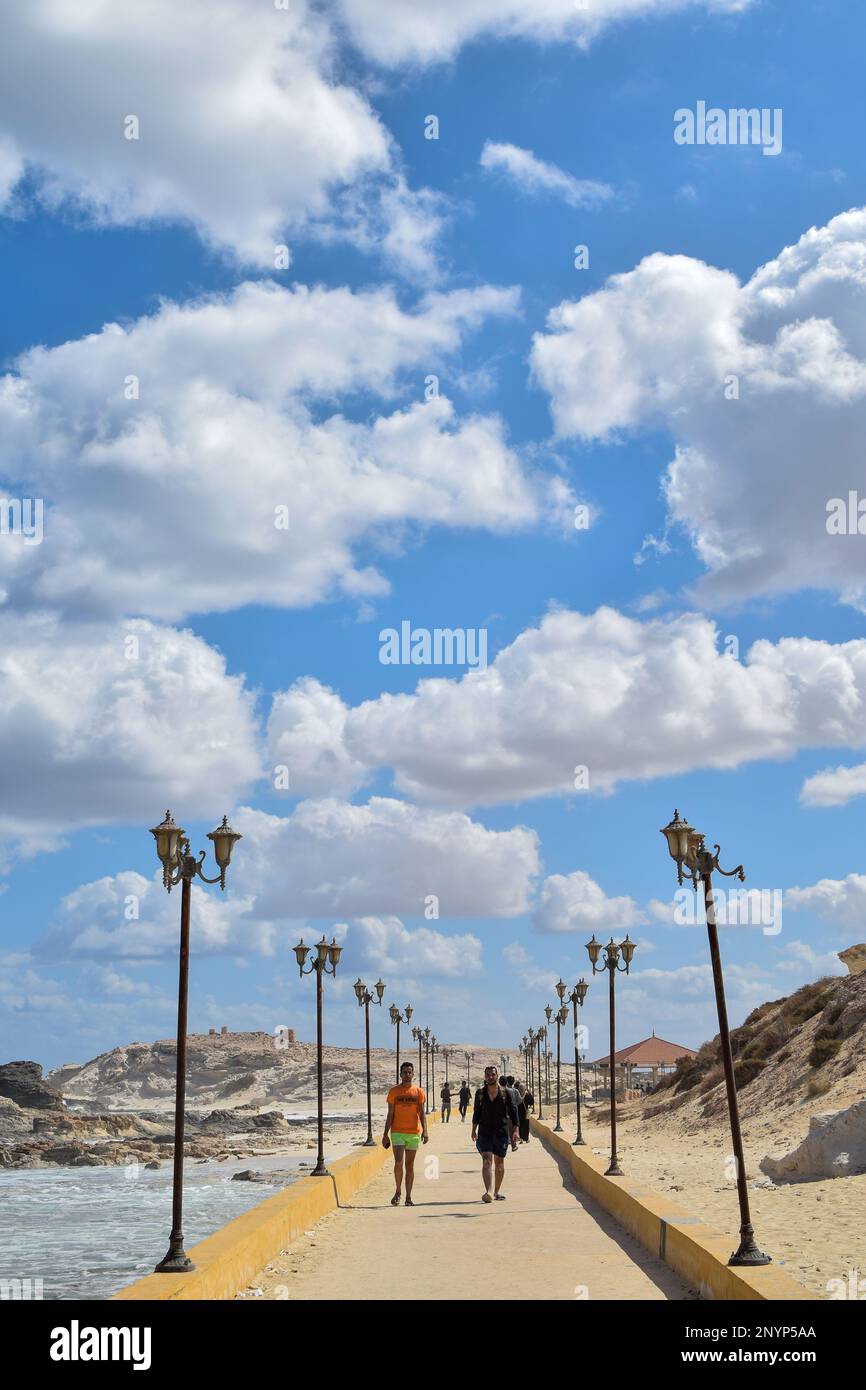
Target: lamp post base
{"type": "Point", "coordinates": [614, 1171]}
{"type": "Point", "coordinates": [557, 1129]}
{"type": "Point", "coordinates": [749, 1253]}
{"type": "Point", "coordinates": [320, 1171]}
{"type": "Point", "coordinates": [576, 1143]}
{"type": "Point", "coordinates": [369, 1142]}
{"type": "Point", "coordinates": [175, 1262]}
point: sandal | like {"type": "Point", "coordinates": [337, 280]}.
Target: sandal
{"type": "Point", "coordinates": [408, 1202]}
{"type": "Point", "coordinates": [486, 1197]}
{"type": "Point", "coordinates": [499, 1197]}
{"type": "Point", "coordinates": [395, 1200]}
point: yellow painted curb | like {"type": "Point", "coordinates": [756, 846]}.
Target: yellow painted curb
{"type": "Point", "coordinates": [697, 1252]}
{"type": "Point", "coordinates": [226, 1261]}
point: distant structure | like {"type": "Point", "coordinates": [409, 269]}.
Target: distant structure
{"type": "Point", "coordinates": [653, 1055]}
{"type": "Point", "coordinates": [224, 1029]}
{"type": "Point", "coordinates": [211, 1032]}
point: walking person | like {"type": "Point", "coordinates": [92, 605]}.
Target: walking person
{"type": "Point", "coordinates": [406, 1123]}
{"type": "Point", "coordinates": [525, 1103]}
{"type": "Point", "coordinates": [464, 1096]}
{"type": "Point", "coordinates": [445, 1097]}
{"type": "Point", "coordinates": [494, 1127]}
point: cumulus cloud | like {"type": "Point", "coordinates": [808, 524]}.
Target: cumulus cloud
{"type": "Point", "coordinates": [384, 858]}
{"type": "Point", "coordinates": [128, 916]}
{"type": "Point", "coordinates": [245, 132]}
{"type": "Point", "coordinates": [393, 32]}
{"type": "Point", "coordinates": [763, 387]}
{"type": "Point", "coordinates": [532, 175]}
{"type": "Point", "coordinates": [217, 483]}
{"type": "Point", "coordinates": [390, 947]}
{"type": "Point", "coordinates": [373, 864]}
{"type": "Point", "coordinates": [834, 786]}
{"type": "Point", "coordinates": [103, 723]}
{"type": "Point", "coordinates": [576, 903]}
{"type": "Point", "coordinates": [839, 901]}
{"type": "Point", "coordinates": [306, 735]}
{"type": "Point", "coordinates": [626, 699]}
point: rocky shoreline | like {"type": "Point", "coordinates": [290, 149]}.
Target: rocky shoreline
{"type": "Point", "coordinates": [38, 1129]}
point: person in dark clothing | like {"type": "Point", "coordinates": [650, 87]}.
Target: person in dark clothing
{"type": "Point", "coordinates": [494, 1127]}
{"type": "Point", "coordinates": [465, 1097]}
{"type": "Point", "coordinates": [526, 1102]}
{"type": "Point", "coordinates": [445, 1097]}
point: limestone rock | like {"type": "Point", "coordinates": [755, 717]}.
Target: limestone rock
{"type": "Point", "coordinates": [855, 959]}
{"type": "Point", "coordinates": [23, 1083]}
{"type": "Point", "coordinates": [835, 1147]}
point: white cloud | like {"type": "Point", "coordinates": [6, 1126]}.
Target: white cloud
{"type": "Point", "coordinates": [841, 902]}
{"type": "Point", "coordinates": [371, 863]}
{"type": "Point", "coordinates": [306, 734]}
{"type": "Point", "coordinates": [800, 957]}
{"type": "Point", "coordinates": [394, 32]}
{"type": "Point", "coordinates": [669, 343]}
{"type": "Point", "coordinates": [533, 175]}
{"type": "Point", "coordinates": [392, 948]}
{"type": "Point", "coordinates": [245, 131]}
{"type": "Point", "coordinates": [381, 859]}
{"type": "Point", "coordinates": [834, 786]}
{"type": "Point", "coordinates": [94, 921]}
{"type": "Point", "coordinates": [576, 903]}
{"type": "Point", "coordinates": [167, 504]}
{"type": "Point", "coordinates": [627, 699]}
{"type": "Point", "coordinates": [92, 733]}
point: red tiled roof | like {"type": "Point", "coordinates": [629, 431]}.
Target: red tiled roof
{"type": "Point", "coordinates": [648, 1053]}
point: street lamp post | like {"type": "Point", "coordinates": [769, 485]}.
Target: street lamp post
{"type": "Point", "coordinates": [325, 955]}
{"type": "Point", "coordinates": [470, 1058]}
{"type": "Point", "coordinates": [530, 1044]}
{"type": "Point", "coordinates": [577, 996]}
{"type": "Point", "coordinates": [180, 866]}
{"type": "Point", "coordinates": [419, 1037]}
{"type": "Point", "coordinates": [398, 1018]}
{"type": "Point", "coordinates": [547, 1066]}
{"type": "Point", "coordinates": [446, 1053]}
{"type": "Point", "coordinates": [687, 849]}
{"type": "Point", "coordinates": [365, 999]}
{"type": "Point", "coordinates": [434, 1048]}
{"type": "Point", "coordinates": [426, 1036]}
{"type": "Point", "coordinates": [612, 953]}
{"type": "Point", "coordinates": [561, 1017]}
{"type": "Point", "coordinates": [538, 1036]}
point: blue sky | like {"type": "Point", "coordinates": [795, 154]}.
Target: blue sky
{"type": "Point", "coordinates": [450, 516]}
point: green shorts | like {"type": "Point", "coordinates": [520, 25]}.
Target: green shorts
{"type": "Point", "coordinates": [405, 1141]}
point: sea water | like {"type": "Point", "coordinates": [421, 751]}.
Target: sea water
{"type": "Point", "coordinates": [85, 1232]}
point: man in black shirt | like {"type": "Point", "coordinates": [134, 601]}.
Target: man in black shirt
{"type": "Point", "coordinates": [494, 1127]}
{"type": "Point", "coordinates": [465, 1097]}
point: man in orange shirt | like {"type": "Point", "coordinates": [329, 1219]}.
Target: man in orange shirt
{"type": "Point", "coordinates": [406, 1122]}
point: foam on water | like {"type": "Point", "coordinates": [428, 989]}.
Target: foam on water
{"type": "Point", "coordinates": [88, 1231]}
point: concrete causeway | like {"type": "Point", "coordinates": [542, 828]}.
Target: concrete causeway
{"type": "Point", "coordinates": [547, 1240]}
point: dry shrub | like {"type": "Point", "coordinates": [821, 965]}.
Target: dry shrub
{"type": "Point", "coordinates": [808, 1001]}
{"type": "Point", "coordinates": [817, 1086]}
{"type": "Point", "coordinates": [824, 1050]}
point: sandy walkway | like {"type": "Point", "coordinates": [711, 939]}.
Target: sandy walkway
{"type": "Point", "coordinates": [546, 1241]}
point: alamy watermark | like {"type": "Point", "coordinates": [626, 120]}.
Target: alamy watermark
{"type": "Point", "coordinates": [22, 516]}
{"type": "Point", "coordinates": [25, 1290]}
{"type": "Point", "coordinates": [438, 646]}
{"type": "Point", "coordinates": [734, 907]}
{"type": "Point", "coordinates": [846, 516]}
{"type": "Point", "coordinates": [738, 126]}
